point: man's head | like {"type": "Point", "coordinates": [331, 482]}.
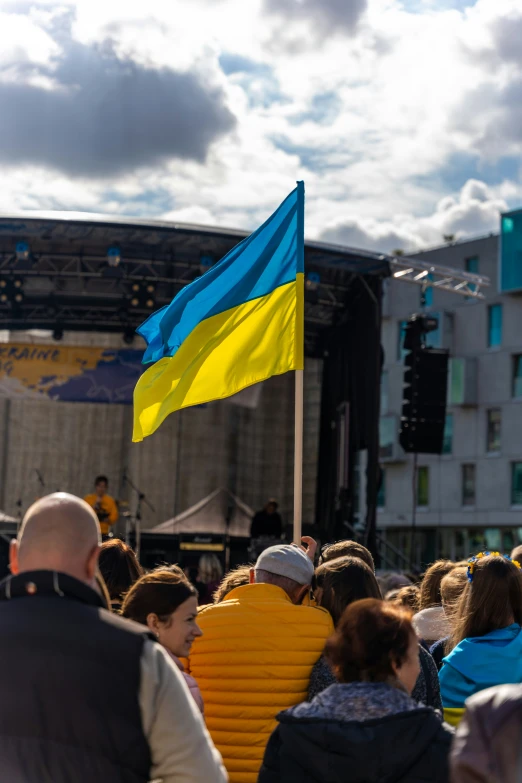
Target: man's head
{"type": "Point", "coordinates": [271, 507]}
{"type": "Point", "coordinates": [60, 532]}
{"type": "Point", "coordinates": [101, 484]}
{"type": "Point", "coordinates": [287, 567]}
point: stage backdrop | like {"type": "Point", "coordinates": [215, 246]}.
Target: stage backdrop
{"type": "Point", "coordinates": [71, 374]}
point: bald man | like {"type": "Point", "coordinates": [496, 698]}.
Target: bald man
{"type": "Point", "coordinates": [86, 695]}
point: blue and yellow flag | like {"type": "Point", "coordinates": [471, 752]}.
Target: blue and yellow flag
{"type": "Point", "coordinates": [240, 323]}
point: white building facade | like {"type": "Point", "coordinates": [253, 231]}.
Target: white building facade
{"type": "Point", "coordinates": [470, 496]}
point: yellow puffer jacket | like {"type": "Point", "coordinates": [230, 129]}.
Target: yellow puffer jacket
{"type": "Point", "coordinates": [254, 659]}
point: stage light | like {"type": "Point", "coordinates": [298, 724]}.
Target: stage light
{"type": "Point", "coordinates": [135, 286]}
{"type": "Point", "coordinates": [58, 333]}
{"type": "Point", "coordinates": [312, 281]}
{"type": "Point", "coordinates": [3, 283]}
{"type": "Point", "coordinates": [150, 289]}
{"type": "Point", "coordinates": [22, 251]}
{"type": "Point", "coordinates": [113, 256]}
{"type": "Point", "coordinates": [205, 262]}
{"type": "Point", "coordinates": [17, 283]}
{"type": "Point", "coordinates": [134, 301]}
{"type": "Point", "coordinates": [150, 302]}
{"type": "Point", "coordinates": [19, 298]}
{"type": "Point", "coordinates": [128, 335]}
{"type": "Point", "coordinates": [3, 297]}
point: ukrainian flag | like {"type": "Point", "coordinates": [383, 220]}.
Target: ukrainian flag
{"type": "Point", "coordinates": [240, 323]}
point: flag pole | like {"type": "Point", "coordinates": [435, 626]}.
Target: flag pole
{"type": "Point", "coordinates": [299, 373]}
{"type": "Point", "coordinates": [298, 455]}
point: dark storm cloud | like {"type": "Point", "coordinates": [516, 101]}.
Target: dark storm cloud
{"type": "Point", "coordinates": [326, 16]}
{"type": "Point", "coordinates": [108, 115]}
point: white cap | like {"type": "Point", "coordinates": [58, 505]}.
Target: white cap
{"type": "Point", "coordinates": [287, 560]}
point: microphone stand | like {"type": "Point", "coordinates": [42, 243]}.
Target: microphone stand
{"type": "Point", "coordinates": [41, 480]}
{"type": "Point", "coordinates": [141, 498]}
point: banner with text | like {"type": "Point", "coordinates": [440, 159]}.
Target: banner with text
{"type": "Point", "coordinates": [68, 373]}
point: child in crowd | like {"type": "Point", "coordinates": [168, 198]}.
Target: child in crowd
{"type": "Point", "coordinates": [451, 589]}
{"type": "Point", "coordinates": [430, 622]}
{"type": "Point", "coordinates": [486, 642]}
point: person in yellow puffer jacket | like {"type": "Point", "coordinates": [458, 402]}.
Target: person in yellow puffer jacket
{"type": "Point", "coordinates": [255, 657]}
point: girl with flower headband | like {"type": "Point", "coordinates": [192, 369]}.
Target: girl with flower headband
{"type": "Point", "coordinates": [485, 648]}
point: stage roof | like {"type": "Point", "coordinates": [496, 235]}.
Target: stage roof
{"type": "Point", "coordinates": [55, 271]}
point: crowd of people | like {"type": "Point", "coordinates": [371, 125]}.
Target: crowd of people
{"type": "Point", "coordinates": [296, 668]}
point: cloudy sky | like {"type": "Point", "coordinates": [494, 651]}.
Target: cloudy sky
{"type": "Point", "coordinates": [404, 117]}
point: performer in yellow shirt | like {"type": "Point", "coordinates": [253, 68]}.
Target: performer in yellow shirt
{"type": "Point", "coordinates": [104, 506]}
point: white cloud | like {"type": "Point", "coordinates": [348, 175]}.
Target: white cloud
{"type": "Point", "coordinates": [386, 120]}
{"type": "Point", "coordinates": [475, 211]}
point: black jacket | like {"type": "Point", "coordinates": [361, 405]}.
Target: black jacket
{"type": "Point", "coordinates": [409, 748]}
{"type": "Point", "coordinates": [69, 685]}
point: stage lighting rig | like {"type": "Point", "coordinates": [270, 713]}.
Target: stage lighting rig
{"type": "Point", "coordinates": [142, 295]}
{"type": "Point", "coordinates": [114, 256]}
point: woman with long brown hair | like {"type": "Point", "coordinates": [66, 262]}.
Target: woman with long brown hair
{"type": "Point", "coordinates": [341, 582]}
{"type": "Point", "coordinates": [485, 647]}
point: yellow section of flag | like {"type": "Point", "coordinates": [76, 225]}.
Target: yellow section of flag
{"type": "Point", "coordinates": [224, 354]}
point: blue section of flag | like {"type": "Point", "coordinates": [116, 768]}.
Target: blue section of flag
{"type": "Point", "coordinates": [270, 257]}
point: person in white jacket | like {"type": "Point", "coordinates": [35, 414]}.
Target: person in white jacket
{"type": "Point", "coordinates": [87, 696]}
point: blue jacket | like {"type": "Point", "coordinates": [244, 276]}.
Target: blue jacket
{"type": "Point", "coordinates": [481, 662]}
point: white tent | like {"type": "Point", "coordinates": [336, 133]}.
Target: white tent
{"type": "Point", "coordinates": [5, 519]}
{"type": "Point", "coordinates": [210, 516]}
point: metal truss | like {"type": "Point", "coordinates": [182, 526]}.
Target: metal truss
{"type": "Point", "coordinates": [411, 270]}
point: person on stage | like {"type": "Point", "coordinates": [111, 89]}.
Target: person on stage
{"type": "Point", "coordinates": [104, 505]}
{"type": "Point", "coordinates": [267, 522]}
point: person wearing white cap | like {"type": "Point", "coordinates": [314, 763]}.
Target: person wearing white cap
{"type": "Point", "coordinates": [255, 657]}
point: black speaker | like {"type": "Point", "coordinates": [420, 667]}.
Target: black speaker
{"type": "Point", "coordinates": [424, 399]}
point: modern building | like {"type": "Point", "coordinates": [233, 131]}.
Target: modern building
{"type": "Point", "coordinates": [470, 496]}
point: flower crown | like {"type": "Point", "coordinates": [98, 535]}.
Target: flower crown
{"type": "Point", "coordinates": [472, 562]}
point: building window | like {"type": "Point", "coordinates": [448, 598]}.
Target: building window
{"type": "Point", "coordinates": [517, 375]}
{"type": "Point", "coordinates": [401, 353]}
{"type": "Point", "coordinates": [494, 325]}
{"type": "Point", "coordinates": [471, 265]}
{"type": "Point", "coordinates": [468, 485]}
{"type": "Point", "coordinates": [384, 391]}
{"type": "Point", "coordinates": [493, 434]}
{"type": "Point", "coordinates": [423, 486]}
{"type": "Point", "coordinates": [516, 484]}
{"type": "Point", "coordinates": [381, 494]}
{"type": "Point", "coordinates": [447, 443]}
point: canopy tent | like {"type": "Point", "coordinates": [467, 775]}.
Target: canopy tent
{"type": "Point", "coordinates": [5, 519]}
{"type": "Point", "coordinates": [210, 516]}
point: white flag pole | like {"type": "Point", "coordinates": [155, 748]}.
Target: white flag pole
{"type": "Point", "coordinates": [298, 455]}
{"type": "Point", "coordinates": [299, 373]}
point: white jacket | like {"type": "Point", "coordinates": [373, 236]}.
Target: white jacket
{"type": "Point", "coordinates": [180, 745]}
{"type": "Point", "coordinates": [431, 624]}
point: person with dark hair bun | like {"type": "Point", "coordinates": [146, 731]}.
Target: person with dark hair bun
{"type": "Point", "coordinates": [119, 567]}
{"type": "Point", "coordinates": [167, 603]}
{"type": "Point", "coordinates": [366, 727]}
